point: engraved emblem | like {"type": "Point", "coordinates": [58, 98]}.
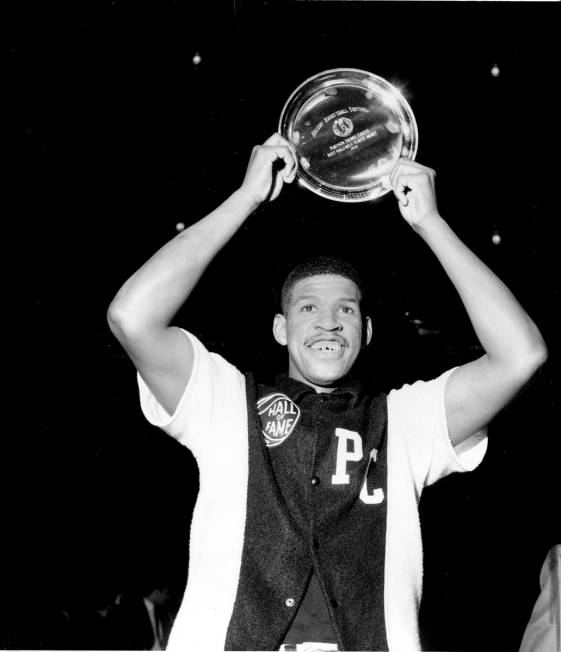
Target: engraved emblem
{"type": "Point", "coordinates": [279, 416]}
{"type": "Point", "coordinates": [342, 127]}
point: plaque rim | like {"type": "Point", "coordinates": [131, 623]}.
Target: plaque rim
{"type": "Point", "coordinates": [371, 191]}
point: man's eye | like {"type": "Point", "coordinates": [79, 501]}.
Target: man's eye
{"type": "Point", "coordinates": [347, 310]}
{"type": "Point", "coordinates": [307, 308]}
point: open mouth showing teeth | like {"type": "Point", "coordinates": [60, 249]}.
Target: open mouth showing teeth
{"type": "Point", "coordinates": [326, 346]}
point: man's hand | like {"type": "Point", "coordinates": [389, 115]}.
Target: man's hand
{"type": "Point", "coordinates": [413, 185]}
{"type": "Point", "coordinates": [271, 165]}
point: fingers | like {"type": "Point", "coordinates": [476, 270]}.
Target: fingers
{"type": "Point", "coordinates": [277, 139]}
{"type": "Point", "coordinates": [414, 186]}
{"type": "Point", "coordinates": [407, 175]}
{"type": "Point", "coordinates": [405, 166]}
{"type": "Point", "coordinates": [270, 166]}
{"type": "Point", "coordinates": [410, 165]}
{"type": "Point", "coordinates": [277, 148]}
{"type": "Point", "coordinates": [286, 155]}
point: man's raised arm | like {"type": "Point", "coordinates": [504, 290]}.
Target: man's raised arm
{"type": "Point", "coordinates": [514, 348]}
{"type": "Point", "coordinates": [141, 313]}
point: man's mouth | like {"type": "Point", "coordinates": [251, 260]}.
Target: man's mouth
{"type": "Point", "coordinates": [333, 345]}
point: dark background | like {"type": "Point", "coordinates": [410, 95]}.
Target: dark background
{"type": "Point", "coordinates": [112, 135]}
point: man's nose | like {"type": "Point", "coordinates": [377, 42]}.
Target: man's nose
{"type": "Point", "coordinates": [328, 321]}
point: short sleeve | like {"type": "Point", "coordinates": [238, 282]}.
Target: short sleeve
{"type": "Point", "coordinates": [417, 414]}
{"type": "Point", "coordinates": [215, 387]}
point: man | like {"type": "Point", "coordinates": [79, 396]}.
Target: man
{"type": "Point", "coordinates": [543, 631]}
{"type": "Point", "coordinates": [306, 525]}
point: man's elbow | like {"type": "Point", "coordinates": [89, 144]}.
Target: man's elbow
{"type": "Point", "coordinates": [132, 327]}
{"type": "Point", "coordinates": [531, 361]}
{"type": "Point", "coordinates": [540, 356]}
{"type": "Point", "coordinates": [121, 322]}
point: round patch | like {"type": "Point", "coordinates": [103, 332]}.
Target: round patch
{"type": "Point", "coordinates": [279, 416]}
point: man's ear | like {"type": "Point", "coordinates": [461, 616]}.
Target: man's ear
{"type": "Point", "coordinates": [368, 331]}
{"type": "Point", "coordinates": [279, 329]}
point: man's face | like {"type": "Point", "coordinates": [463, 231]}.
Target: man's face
{"type": "Point", "coordinates": [322, 329]}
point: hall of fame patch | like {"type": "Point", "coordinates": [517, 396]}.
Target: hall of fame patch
{"type": "Point", "coordinates": [279, 416]}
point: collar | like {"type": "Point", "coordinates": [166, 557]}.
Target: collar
{"type": "Point", "coordinates": [351, 386]}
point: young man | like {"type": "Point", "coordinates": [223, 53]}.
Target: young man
{"type": "Point", "coordinates": [306, 524]}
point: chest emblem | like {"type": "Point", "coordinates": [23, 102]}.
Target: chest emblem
{"type": "Point", "coordinates": [279, 416]}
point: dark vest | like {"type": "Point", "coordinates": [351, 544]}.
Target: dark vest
{"type": "Point", "coordinates": [316, 502]}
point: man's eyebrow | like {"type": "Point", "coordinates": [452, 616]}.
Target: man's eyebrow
{"type": "Point", "coordinates": [305, 297]}
{"type": "Point", "coordinates": [314, 297]}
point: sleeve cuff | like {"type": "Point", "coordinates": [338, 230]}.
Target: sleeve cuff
{"type": "Point", "coordinates": [153, 411]}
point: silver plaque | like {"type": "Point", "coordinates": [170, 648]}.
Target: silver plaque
{"type": "Point", "coordinates": [348, 128]}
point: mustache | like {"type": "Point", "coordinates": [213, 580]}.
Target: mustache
{"type": "Point", "coordinates": [309, 341]}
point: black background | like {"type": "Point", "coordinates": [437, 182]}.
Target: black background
{"type": "Point", "coordinates": [112, 135]}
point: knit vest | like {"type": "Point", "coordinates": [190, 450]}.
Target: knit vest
{"type": "Point", "coordinates": [333, 522]}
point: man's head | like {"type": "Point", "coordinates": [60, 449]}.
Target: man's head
{"type": "Point", "coordinates": [321, 321]}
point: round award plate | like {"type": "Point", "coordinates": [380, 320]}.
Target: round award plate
{"type": "Point", "coordinates": [348, 128]}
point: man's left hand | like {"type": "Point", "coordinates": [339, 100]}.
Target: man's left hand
{"type": "Point", "coordinates": [414, 186]}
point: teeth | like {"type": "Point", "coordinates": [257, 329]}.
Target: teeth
{"type": "Point", "coordinates": [326, 346]}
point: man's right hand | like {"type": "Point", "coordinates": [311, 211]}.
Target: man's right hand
{"type": "Point", "coordinates": [264, 178]}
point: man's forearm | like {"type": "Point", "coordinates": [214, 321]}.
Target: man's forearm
{"type": "Point", "coordinates": [152, 296]}
{"type": "Point", "coordinates": [506, 332]}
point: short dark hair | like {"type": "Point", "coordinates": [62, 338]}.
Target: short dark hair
{"type": "Point", "coordinates": [314, 267]}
